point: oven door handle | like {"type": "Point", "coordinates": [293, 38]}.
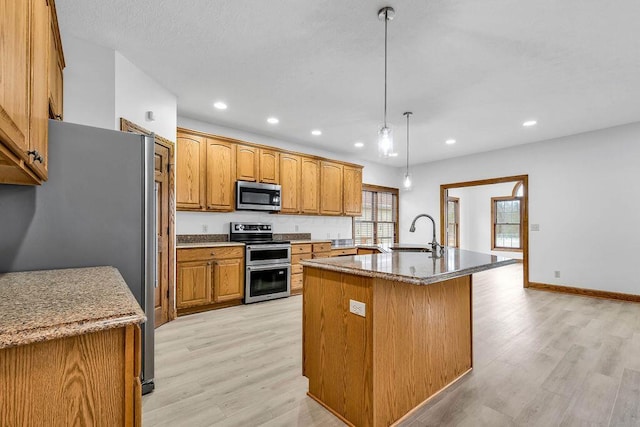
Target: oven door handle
{"type": "Point", "coordinates": [267, 267]}
{"type": "Point", "coordinates": [275, 246]}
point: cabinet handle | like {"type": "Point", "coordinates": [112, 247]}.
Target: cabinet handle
{"type": "Point", "coordinates": [213, 254]}
{"type": "Point", "coordinates": [58, 116]}
{"type": "Point", "coordinates": [36, 156]}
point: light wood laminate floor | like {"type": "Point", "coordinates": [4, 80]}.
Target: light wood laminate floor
{"type": "Point", "coordinates": [540, 359]}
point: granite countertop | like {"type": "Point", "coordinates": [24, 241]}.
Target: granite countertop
{"type": "Point", "coordinates": [208, 244]}
{"type": "Point", "coordinates": [293, 242]}
{"type": "Point", "coordinates": [418, 268]}
{"type": "Point", "coordinates": [50, 304]}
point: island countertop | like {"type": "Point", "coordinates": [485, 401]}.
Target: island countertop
{"type": "Point", "coordinates": [418, 268]}
{"type": "Point", "coordinates": [50, 304]}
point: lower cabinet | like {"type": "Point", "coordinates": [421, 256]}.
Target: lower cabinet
{"type": "Point", "coordinates": [301, 251]}
{"type": "Point", "coordinates": [209, 278]}
{"type": "Point", "coordinates": [89, 379]}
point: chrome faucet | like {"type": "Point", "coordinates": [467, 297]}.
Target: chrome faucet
{"type": "Point", "coordinates": [434, 243]}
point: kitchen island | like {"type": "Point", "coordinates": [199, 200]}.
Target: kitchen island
{"type": "Point", "coordinates": [69, 348]}
{"type": "Point", "coordinates": [384, 333]}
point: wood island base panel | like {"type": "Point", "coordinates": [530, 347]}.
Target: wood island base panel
{"type": "Point", "coordinates": [412, 342]}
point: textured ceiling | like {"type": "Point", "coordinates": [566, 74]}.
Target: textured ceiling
{"type": "Point", "coordinates": [470, 70]}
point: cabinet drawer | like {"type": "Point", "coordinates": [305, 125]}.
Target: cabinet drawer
{"type": "Point", "coordinates": [296, 268]}
{"type": "Point", "coordinates": [194, 254]}
{"type": "Point", "coordinates": [295, 259]}
{"type": "Point", "coordinates": [321, 254]}
{"type": "Point", "coordinates": [296, 281]}
{"type": "Point", "coordinates": [304, 248]}
{"type": "Point", "coordinates": [321, 247]}
{"type": "Point", "coordinates": [344, 252]}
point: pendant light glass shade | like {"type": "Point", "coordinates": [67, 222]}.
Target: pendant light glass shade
{"type": "Point", "coordinates": [385, 141]}
{"type": "Point", "coordinates": [406, 183]}
{"type": "Point", "coordinates": [385, 133]}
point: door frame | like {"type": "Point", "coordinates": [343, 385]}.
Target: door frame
{"type": "Point", "coordinates": [129, 126]}
{"type": "Point", "coordinates": [525, 212]}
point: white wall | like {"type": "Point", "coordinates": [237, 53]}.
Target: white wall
{"type": "Point", "coordinates": [475, 216]}
{"type": "Point", "coordinates": [89, 82]}
{"type": "Point", "coordinates": [320, 227]}
{"type": "Point", "coordinates": [574, 184]}
{"type": "Point", "coordinates": [101, 85]}
{"type": "Point", "coordinates": [136, 93]}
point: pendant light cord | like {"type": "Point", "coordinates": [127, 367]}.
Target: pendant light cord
{"type": "Point", "coordinates": [386, 20]}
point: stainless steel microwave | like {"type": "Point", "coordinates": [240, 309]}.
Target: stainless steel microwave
{"type": "Point", "coordinates": [256, 196]}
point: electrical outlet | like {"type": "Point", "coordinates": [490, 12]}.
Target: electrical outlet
{"type": "Point", "coordinates": [205, 228]}
{"type": "Point", "coordinates": [338, 235]}
{"type": "Point", "coordinates": [556, 274]}
{"type": "Point", "coordinates": [535, 227]}
{"type": "Point", "coordinates": [357, 307]}
{"type": "Point", "coordinates": [328, 235]}
{"type": "Point", "coordinates": [297, 228]}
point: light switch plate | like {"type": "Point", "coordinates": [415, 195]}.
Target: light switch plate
{"type": "Point", "coordinates": [357, 307]}
{"type": "Point", "coordinates": [535, 227]}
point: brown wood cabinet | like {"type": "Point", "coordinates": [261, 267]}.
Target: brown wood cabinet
{"type": "Point", "coordinates": [246, 163]}
{"type": "Point", "coordinates": [56, 65]}
{"type": "Point", "coordinates": [310, 187]}
{"type": "Point", "coordinates": [209, 278]}
{"type": "Point", "coordinates": [208, 167]}
{"type": "Point", "coordinates": [344, 252]}
{"type": "Point", "coordinates": [330, 188]}
{"type": "Point", "coordinates": [301, 251]}
{"type": "Point", "coordinates": [25, 42]}
{"type": "Point", "coordinates": [269, 170]}
{"type": "Point", "coordinates": [352, 183]}
{"type": "Point", "coordinates": [79, 380]}
{"type": "Point", "coordinates": [290, 181]}
{"type": "Point", "coordinates": [190, 172]}
{"type": "Point", "coordinates": [221, 162]}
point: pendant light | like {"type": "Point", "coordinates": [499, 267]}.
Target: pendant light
{"type": "Point", "coordinates": [385, 134]}
{"type": "Point", "coordinates": [406, 183]}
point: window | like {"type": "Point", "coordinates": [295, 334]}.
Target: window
{"type": "Point", "coordinates": [379, 220]}
{"type": "Point", "coordinates": [453, 222]}
{"type": "Point", "coordinates": [506, 214]}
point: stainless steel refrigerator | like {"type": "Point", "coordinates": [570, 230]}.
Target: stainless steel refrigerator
{"type": "Point", "coordinates": [97, 208]}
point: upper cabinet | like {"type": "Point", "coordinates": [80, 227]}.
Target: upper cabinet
{"type": "Point", "coordinates": [352, 183]}
{"type": "Point", "coordinates": [26, 30]}
{"type": "Point", "coordinates": [269, 170]}
{"type": "Point", "coordinates": [221, 164]}
{"type": "Point", "coordinates": [190, 172]}
{"type": "Point", "coordinates": [56, 65]}
{"type": "Point", "coordinates": [330, 188]}
{"type": "Point", "coordinates": [247, 163]}
{"type": "Point", "coordinates": [290, 179]}
{"type": "Point", "coordinates": [208, 167]}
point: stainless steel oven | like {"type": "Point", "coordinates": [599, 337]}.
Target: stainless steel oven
{"type": "Point", "coordinates": [267, 262]}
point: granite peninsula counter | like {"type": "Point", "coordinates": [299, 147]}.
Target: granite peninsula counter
{"type": "Point", "coordinates": [375, 345]}
{"type": "Point", "coordinates": [69, 348]}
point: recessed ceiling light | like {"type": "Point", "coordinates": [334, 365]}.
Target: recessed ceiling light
{"type": "Point", "coordinates": [273, 120]}
{"type": "Point", "coordinates": [359, 144]}
{"type": "Point", "coordinates": [316, 132]}
{"type": "Point", "coordinates": [450, 141]}
{"type": "Point", "coordinates": [393, 154]}
{"type": "Point", "coordinates": [529, 123]}
{"type": "Point", "coordinates": [220, 105]}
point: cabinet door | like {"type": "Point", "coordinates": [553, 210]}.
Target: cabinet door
{"type": "Point", "coordinates": [56, 65]}
{"type": "Point", "coordinates": [269, 166]}
{"type": "Point", "coordinates": [194, 283]}
{"type": "Point", "coordinates": [290, 166]}
{"type": "Point", "coordinates": [221, 164]}
{"type": "Point", "coordinates": [330, 188]}
{"type": "Point", "coordinates": [228, 280]}
{"type": "Point", "coordinates": [190, 172]}
{"type": "Point", "coordinates": [352, 177]}
{"type": "Point", "coordinates": [310, 186]}
{"type": "Point", "coordinates": [14, 75]}
{"type": "Point", "coordinates": [247, 163]}
{"type": "Point", "coordinates": [39, 101]}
